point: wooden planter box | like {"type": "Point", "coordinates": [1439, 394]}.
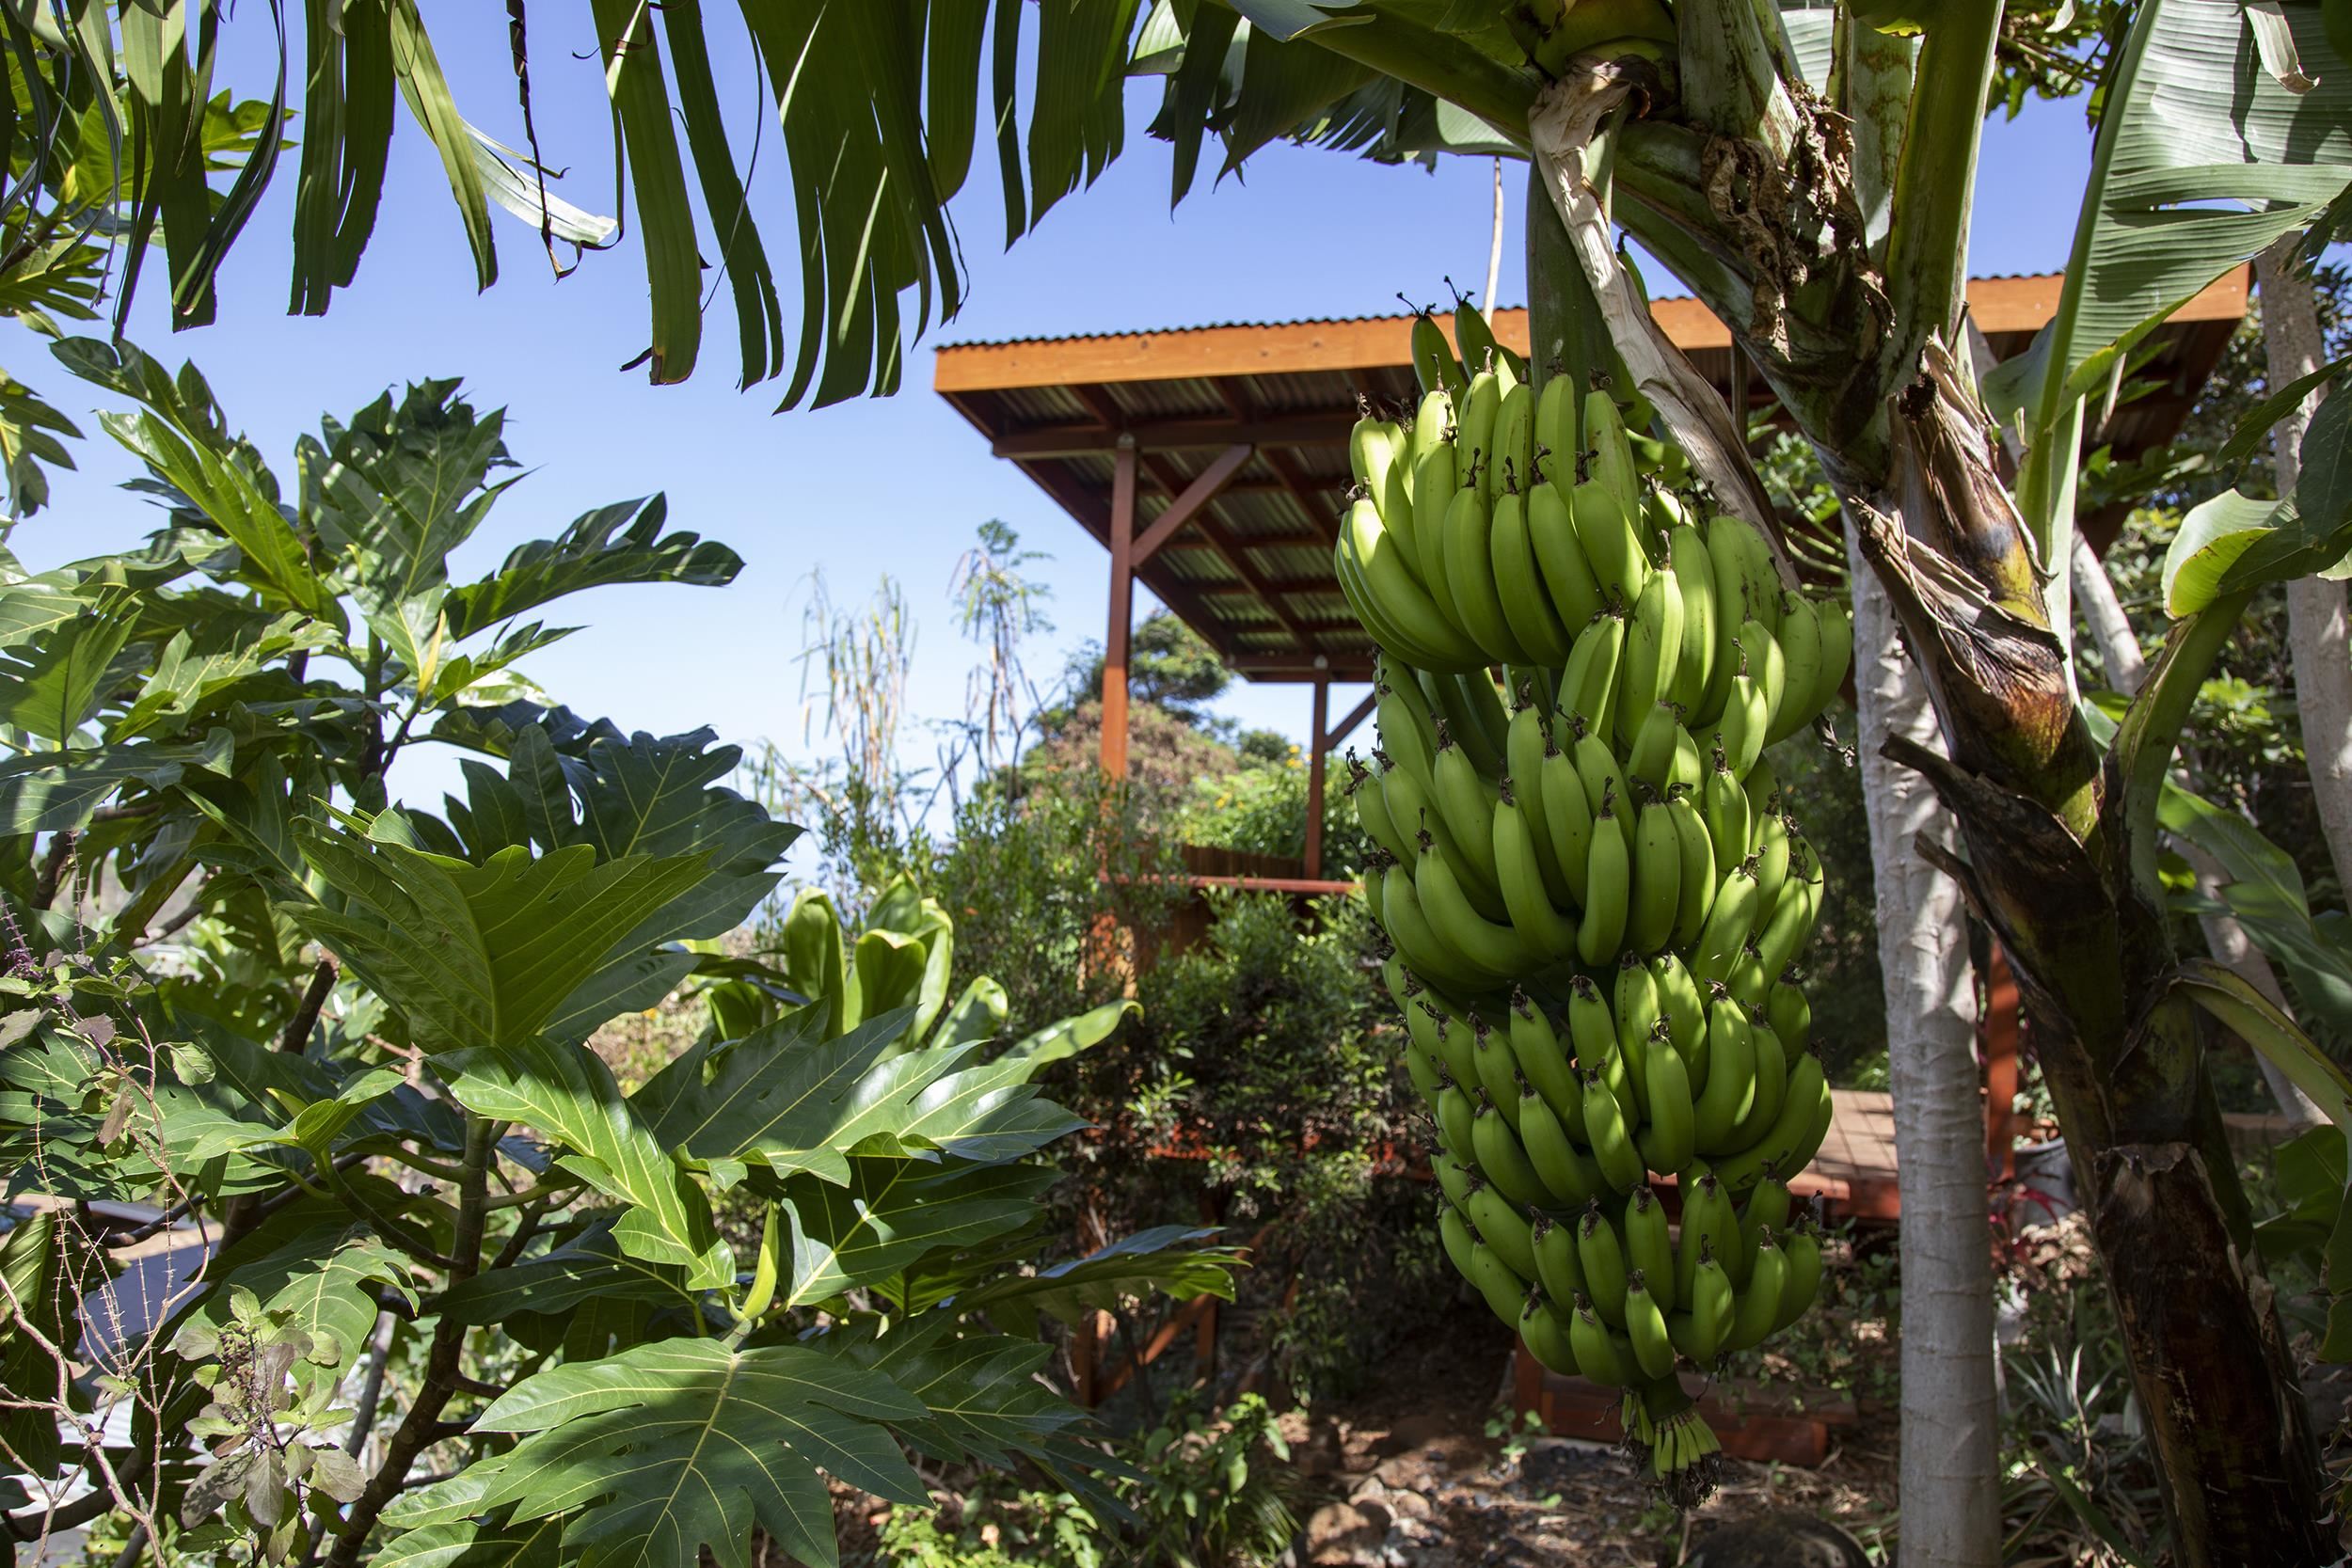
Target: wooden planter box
{"type": "Point", "coordinates": [1749, 1422]}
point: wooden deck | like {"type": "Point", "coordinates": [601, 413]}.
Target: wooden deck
{"type": "Point", "coordinates": [1854, 1172]}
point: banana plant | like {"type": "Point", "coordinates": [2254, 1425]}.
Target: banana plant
{"type": "Point", "coordinates": [344, 1045]}
{"type": "Point", "coordinates": [1810, 175]}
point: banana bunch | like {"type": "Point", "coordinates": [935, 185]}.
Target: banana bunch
{"type": "Point", "coordinates": [1591, 883]}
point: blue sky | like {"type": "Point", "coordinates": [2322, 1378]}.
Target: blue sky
{"type": "Point", "coordinates": [895, 485]}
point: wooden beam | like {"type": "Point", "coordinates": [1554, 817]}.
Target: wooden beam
{"type": "Point", "coordinates": [1290, 667]}
{"type": "Point", "coordinates": [1195, 499]}
{"type": "Point", "coordinates": [1235, 555]}
{"type": "Point", "coordinates": [1320, 429]}
{"type": "Point", "coordinates": [1312, 503]}
{"type": "Point", "coordinates": [1317, 744]}
{"type": "Point", "coordinates": [1355, 715]}
{"type": "Point", "coordinates": [1121, 613]}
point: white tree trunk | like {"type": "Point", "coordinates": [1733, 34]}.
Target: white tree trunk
{"type": "Point", "coordinates": [2119, 650]}
{"type": "Point", "coordinates": [1950, 1478]}
{"type": "Point", "coordinates": [2316, 612]}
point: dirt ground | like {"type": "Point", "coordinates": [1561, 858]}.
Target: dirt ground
{"type": "Point", "coordinates": [1412, 1477]}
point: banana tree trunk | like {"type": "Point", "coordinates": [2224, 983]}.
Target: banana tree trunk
{"type": "Point", "coordinates": [2119, 650]}
{"type": "Point", "coordinates": [2317, 636]}
{"type": "Point", "coordinates": [1950, 1476]}
{"type": "Point", "coordinates": [2056, 849]}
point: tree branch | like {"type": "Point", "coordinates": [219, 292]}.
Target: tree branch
{"type": "Point", "coordinates": [306, 1018]}
{"type": "Point", "coordinates": [444, 1366]}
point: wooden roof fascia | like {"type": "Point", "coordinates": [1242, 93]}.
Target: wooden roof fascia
{"type": "Point", "coordinates": [1377, 343]}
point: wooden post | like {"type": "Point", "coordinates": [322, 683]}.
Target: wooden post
{"type": "Point", "coordinates": [1122, 609]}
{"type": "Point", "coordinates": [2001, 1011]}
{"type": "Point", "coordinates": [1316, 744]}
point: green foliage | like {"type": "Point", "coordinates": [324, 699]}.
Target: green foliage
{"type": "Point", "coordinates": [362, 1058]}
{"type": "Point", "coordinates": [1203, 1491]}
{"type": "Point", "coordinates": [1261, 809]}
{"type": "Point", "coordinates": [1267, 1063]}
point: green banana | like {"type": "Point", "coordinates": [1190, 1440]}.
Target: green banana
{"type": "Point", "coordinates": [1796, 1134]}
{"type": "Point", "coordinates": [1568, 817]}
{"type": "Point", "coordinates": [1711, 1227]}
{"type": "Point", "coordinates": [1433, 496]}
{"type": "Point", "coordinates": [1602, 1356]}
{"type": "Point", "coordinates": [1603, 1258]}
{"type": "Point", "coordinates": [1607, 888]}
{"type": "Point", "coordinates": [1688, 768]}
{"type": "Point", "coordinates": [1527, 610]}
{"type": "Point", "coordinates": [1767, 1209]}
{"type": "Point", "coordinates": [1468, 702]}
{"type": "Point", "coordinates": [1501, 1227]}
{"type": "Point", "coordinates": [1772, 863]}
{"type": "Point", "coordinates": [1635, 1002]}
{"type": "Point", "coordinates": [1657, 879]}
{"type": "Point", "coordinates": [1694, 574]}
{"type": "Point", "coordinates": [1769, 667]}
{"type": "Point", "coordinates": [1606, 1130]}
{"type": "Point", "coordinates": [1556, 431]}
{"type": "Point", "coordinates": [1434, 364]}
{"type": "Point", "coordinates": [1409, 929]}
{"type": "Point", "coordinates": [1433, 427]}
{"type": "Point", "coordinates": [1494, 950]}
{"type": "Point", "coordinates": [1671, 1138]}
{"type": "Point", "coordinates": [1454, 1231]}
{"type": "Point", "coordinates": [1568, 577]}
{"type": "Point", "coordinates": [1758, 1306]}
{"type": "Point", "coordinates": [1542, 1062]}
{"type": "Point", "coordinates": [1497, 1070]}
{"type": "Point", "coordinates": [1611, 462]}
{"type": "Point", "coordinates": [1612, 547]}
{"type": "Point", "coordinates": [1399, 601]}
{"type": "Point", "coordinates": [1789, 925]}
{"type": "Point", "coordinates": [1470, 577]}
{"type": "Point", "coordinates": [1455, 1044]}
{"type": "Point", "coordinates": [1645, 1327]}
{"type": "Point", "coordinates": [1550, 934]}
{"type": "Point", "coordinates": [1749, 981]}
{"type": "Point", "coordinates": [1408, 731]}
{"type": "Point", "coordinates": [1791, 1013]}
{"type": "Point", "coordinates": [1730, 1088]}
{"type": "Point", "coordinates": [1724, 936]}
{"type": "Point", "coordinates": [1454, 1179]}
{"type": "Point", "coordinates": [1597, 765]}
{"type": "Point", "coordinates": [1772, 1080]}
{"type": "Point", "coordinates": [1474, 426]}
{"type": "Point", "coordinates": [1837, 649]}
{"type": "Point", "coordinates": [1746, 715]}
{"type": "Point", "coordinates": [1649, 1246]}
{"type": "Point", "coordinates": [1475, 338]}
{"type": "Point", "coordinates": [1567, 1173]}
{"type": "Point", "coordinates": [1503, 1159]}
{"type": "Point", "coordinates": [1801, 1281]}
{"type": "Point", "coordinates": [1588, 687]}
{"type": "Point", "coordinates": [1685, 1007]}
{"type": "Point", "coordinates": [1546, 1338]}
{"type": "Point", "coordinates": [1696, 859]}
{"type": "Point", "coordinates": [1710, 1308]}
{"type": "Point", "coordinates": [1511, 463]}
{"type": "Point", "coordinates": [1723, 807]}
{"type": "Point", "coordinates": [1524, 745]}
{"type": "Point", "coordinates": [1800, 640]}
{"type": "Point", "coordinates": [1414, 809]}
{"type": "Point", "coordinates": [1504, 1290]}
{"type": "Point", "coordinates": [1591, 1025]}
{"type": "Point", "coordinates": [1456, 1122]}
{"type": "Point", "coordinates": [1371, 809]}
{"type": "Point", "coordinates": [1558, 1268]}
{"type": "Point", "coordinates": [1653, 641]}
{"type": "Point", "coordinates": [1466, 802]}
{"type": "Point", "coordinates": [1650, 755]}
